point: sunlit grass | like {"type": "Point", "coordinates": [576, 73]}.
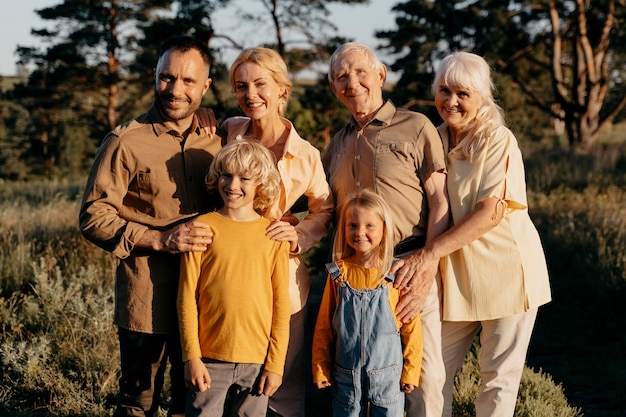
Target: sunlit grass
{"type": "Point", "coordinates": [59, 350]}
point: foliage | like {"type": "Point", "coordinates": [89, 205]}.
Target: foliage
{"type": "Point", "coordinates": [588, 239]}
{"type": "Point", "coordinates": [40, 220]}
{"type": "Point", "coordinates": [74, 93]}
{"type": "Point", "coordinates": [58, 351]}
{"type": "Point", "coordinates": [565, 58]}
{"type": "Point", "coordinates": [316, 113]}
{"type": "Point", "coordinates": [552, 168]}
{"type": "Point", "coordinates": [14, 132]}
{"type": "Point", "coordinates": [58, 347]}
{"type": "Point", "coordinates": [538, 394]}
{"type": "Point", "coordinates": [580, 50]}
{"type": "Point", "coordinates": [580, 217]}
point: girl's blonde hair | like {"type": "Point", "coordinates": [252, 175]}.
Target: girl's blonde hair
{"type": "Point", "coordinates": [247, 159]}
{"type": "Point", "coordinates": [368, 200]}
{"type": "Point", "coordinates": [271, 61]}
{"type": "Point", "coordinates": [468, 71]}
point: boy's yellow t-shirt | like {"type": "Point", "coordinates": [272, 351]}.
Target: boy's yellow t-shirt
{"type": "Point", "coordinates": [233, 301]}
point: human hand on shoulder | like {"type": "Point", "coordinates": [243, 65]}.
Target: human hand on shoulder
{"type": "Point", "coordinates": [207, 120]}
{"type": "Point", "coordinates": [192, 236]}
{"type": "Point", "coordinates": [269, 383]}
{"type": "Point", "coordinates": [283, 231]}
{"type": "Point", "coordinates": [197, 377]}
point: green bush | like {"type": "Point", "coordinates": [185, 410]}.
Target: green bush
{"type": "Point", "coordinates": [584, 234]}
{"type": "Point", "coordinates": [538, 395]}
{"type": "Point", "coordinates": [59, 349]}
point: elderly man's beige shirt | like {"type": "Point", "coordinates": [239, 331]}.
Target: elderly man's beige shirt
{"type": "Point", "coordinates": [393, 155]}
{"type": "Point", "coordinates": [144, 177]}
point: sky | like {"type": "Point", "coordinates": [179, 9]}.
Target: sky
{"type": "Point", "coordinates": [358, 22]}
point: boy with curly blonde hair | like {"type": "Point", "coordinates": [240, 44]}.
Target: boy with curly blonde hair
{"type": "Point", "coordinates": [233, 302]}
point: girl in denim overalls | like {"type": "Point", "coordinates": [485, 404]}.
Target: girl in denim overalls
{"type": "Point", "coordinates": [359, 346]}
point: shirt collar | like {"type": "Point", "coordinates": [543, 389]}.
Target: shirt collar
{"type": "Point", "coordinates": [383, 117]}
{"type": "Point", "coordinates": [293, 146]}
{"type": "Point", "coordinates": [159, 125]}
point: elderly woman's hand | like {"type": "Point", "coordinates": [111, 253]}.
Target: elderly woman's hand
{"type": "Point", "coordinates": [415, 275]}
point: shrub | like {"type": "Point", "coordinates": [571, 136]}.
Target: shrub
{"type": "Point", "coordinates": [538, 395]}
{"type": "Point", "coordinates": [584, 234]}
{"type": "Point", "coordinates": [58, 349]}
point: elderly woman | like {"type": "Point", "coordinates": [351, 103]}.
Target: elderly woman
{"type": "Point", "coordinates": [493, 266]}
{"type": "Point", "coordinates": [260, 79]}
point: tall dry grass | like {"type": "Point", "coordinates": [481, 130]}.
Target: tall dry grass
{"type": "Point", "coordinates": [58, 347]}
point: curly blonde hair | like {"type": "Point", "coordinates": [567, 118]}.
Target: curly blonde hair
{"type": "Point", "coordinates": [369, 200]}
{"type": "Point", "coordinates": [248, 159]}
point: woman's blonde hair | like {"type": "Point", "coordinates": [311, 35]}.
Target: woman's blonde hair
{"type": "Point", "coordinates": [471, 72]}
{"type": "Point", "coordinates": [247, 159]}
{"type": "Point", "coordinates": [270, 60]}
{"type": "Point", "coordinates": [368, 200]}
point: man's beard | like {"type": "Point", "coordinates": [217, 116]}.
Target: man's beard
{"type": "Point", "coordinates": [169, 113]}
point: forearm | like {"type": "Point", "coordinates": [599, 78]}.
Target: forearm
{"type": "Point", "coordinates": [321, 205]}
{"type": "Point", "coordinates": [438, 205]}
{"type": "Point", "coordinates": [486, 215]}
{"type": "Point", "coordinates": [107, 230]}
{"type": "Point", "coordinates": [151, 240]}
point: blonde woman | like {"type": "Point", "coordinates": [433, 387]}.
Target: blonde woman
{"type": "Point", "coordinates": [260, 80]}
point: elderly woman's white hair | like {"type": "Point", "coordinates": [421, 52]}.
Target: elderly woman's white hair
{"type": "Point", "coordinates": [471, 72]}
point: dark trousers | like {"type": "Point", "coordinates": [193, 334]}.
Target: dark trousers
{"type": "Point", "coordinates": [144, 358]}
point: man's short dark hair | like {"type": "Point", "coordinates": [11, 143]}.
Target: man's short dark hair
{"type": "Point", "coordinates": [185, 44]}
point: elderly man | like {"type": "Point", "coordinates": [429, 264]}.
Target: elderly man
{"type": "Point", "coordinates": [398, 154]}
{"type": "Point", "coordinates": [146, 183]}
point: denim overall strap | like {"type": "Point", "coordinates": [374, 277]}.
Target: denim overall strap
{"type": "Point", "coordinates": [368, 359]}
{"type": "Point", "coordinates": [333, 270]}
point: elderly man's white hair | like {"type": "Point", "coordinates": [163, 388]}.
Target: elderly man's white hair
{"type": "Point", "coordinates": [352, 47]}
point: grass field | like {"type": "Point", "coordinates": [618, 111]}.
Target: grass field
{"type": "Point", "coordinates": [59, 350]}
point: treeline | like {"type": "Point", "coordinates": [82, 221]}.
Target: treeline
{"type": "Point", "coordinates": [561, 67]}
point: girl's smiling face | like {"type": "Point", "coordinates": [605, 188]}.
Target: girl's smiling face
{"type": "Point", "coordinates": [364, 230]}
{"type": "Point", "coordinates": [457, 106]}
